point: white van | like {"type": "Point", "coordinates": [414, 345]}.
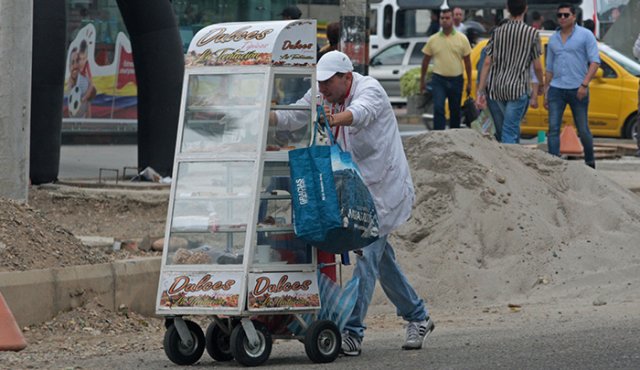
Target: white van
{"type": "Point", "coordinates": [393, 20]}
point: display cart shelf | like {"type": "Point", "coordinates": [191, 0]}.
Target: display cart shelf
{"type": "Point", "coordinates": [274, 197]}
{"type": "Point", "coordinates": [240, 229]}
{"type": "Point", "coordinates": [289, 107]}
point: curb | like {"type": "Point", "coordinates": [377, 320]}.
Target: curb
{"type": "Point", "coordinates": [143, 195]}
{"type": "Point", "coordinates": [36, 296]}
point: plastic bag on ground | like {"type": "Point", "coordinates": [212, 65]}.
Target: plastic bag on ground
{"type": "Point", "coordinates": [484, 123]}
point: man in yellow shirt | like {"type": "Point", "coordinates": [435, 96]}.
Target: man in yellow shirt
{"type": "Point", "coordinates": [448, 48]}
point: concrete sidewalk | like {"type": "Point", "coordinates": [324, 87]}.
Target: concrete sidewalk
{"type": "Point", "coordinates": [624, 171]}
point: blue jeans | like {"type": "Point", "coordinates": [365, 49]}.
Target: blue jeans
{"type": "Point", "coordinates": [379, 261]}
{"type": "Point", "coordinates": [507, 116]}
{"type": "Point", "coordinates": [444, 88]}
{"type": "Point", "coordinates": [558, 100]}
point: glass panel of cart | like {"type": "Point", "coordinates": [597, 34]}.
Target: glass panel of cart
{"type": "Point", "coordinates": [223, 113]}
{"type": "Point", "coordinates": [286, 100]}
{"type": "Point", "coordinates": [289, 88]}
{"type": "Point", "coordinates": [276, 242]}
{"type": "Point", "coordinates": [212, 207]}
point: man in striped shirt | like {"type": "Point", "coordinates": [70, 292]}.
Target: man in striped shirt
{"type": "Point", "coordinates": [511, 50]}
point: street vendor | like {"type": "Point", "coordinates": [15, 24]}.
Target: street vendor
{"type": "Point", "coordinates": [360, 113]}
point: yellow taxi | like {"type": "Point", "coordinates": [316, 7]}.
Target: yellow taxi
{"type": "Point", "coordinates": [321, 35]}
{"type": "Point", "coordinates": [613, 104]}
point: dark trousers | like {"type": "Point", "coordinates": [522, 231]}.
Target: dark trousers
{"type": "Point", "coordinates": [444, 88]}
{"type": "Point", "coordinates": [558, 101]}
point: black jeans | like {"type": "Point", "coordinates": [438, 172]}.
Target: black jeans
{"type": "Point", "coordinates": [446, 88]}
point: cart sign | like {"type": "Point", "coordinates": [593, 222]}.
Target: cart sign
{"type": "Point", "coordinates": [289, 290]}
{"type": "Point", "coordinates": [279, 43]}
{"type": "Point", "coordinates": [200, 290]}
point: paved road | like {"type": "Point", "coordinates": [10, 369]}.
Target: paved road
{"type": "Point", "coordinates": [552, 341]}
{"type": "Point", "coordinates": [85, 161]}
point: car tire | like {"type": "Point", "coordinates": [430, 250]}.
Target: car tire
{"type": "Point", "coordinates": [630, 126]}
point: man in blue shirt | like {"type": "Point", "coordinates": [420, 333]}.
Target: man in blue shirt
{"type": "Point", "coordinates": [572, 61]}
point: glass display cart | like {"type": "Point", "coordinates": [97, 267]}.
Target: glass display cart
{"type": "Point", "coordinates": [230, 251]}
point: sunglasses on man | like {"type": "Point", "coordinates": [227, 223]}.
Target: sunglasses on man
{"type": "Point", "coordinates": [563, 15]}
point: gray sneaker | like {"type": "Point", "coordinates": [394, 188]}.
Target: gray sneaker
{"type": "Point", "coordinates": [351, 344]}
{"type": "Point", "coordinates": [417, 332]}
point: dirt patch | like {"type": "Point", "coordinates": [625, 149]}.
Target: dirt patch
{"type": "Point", "coordinates": [85, 332]}
{"type": "Point", "coordinates": [99, 212]}
{"type": "Point", "coordinates": [29, 240]}
{"type": "Point", "coordinates": [43, 233]}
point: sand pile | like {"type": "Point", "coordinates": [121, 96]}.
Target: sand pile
{"type": "Point", "coordinates": [494, 224]}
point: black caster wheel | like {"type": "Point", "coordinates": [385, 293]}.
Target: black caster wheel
{"type": "Point", "coordinates": [244, 352]}
{"type": "Point", "coordinates": [182, 353]}
{"type": "Point", "coordinates": [218, 343]}
{"type": "Point", "coordinates": [322, 341]}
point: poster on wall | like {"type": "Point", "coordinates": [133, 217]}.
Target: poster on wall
{"type": "Point", "coordinates": [93, 91]}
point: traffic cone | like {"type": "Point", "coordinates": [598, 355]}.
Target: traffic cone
{"type": "Point", "coordinates": [11, 338]}
{"type": "Point", "coordinates": [569, 141]}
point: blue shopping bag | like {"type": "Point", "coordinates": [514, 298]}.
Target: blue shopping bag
{"type": "Point", "coordinates": [359, 226]}
{"type": "Point", "coordinates": [315, 202]}
{"type": "Point", "coordinates": [341, 215]}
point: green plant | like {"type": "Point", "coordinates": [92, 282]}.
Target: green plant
{"type": "Point", "coordinates": [410, 82]}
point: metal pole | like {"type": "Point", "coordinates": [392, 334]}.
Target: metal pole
{"type": "Point", "coordinates": [16, 28]}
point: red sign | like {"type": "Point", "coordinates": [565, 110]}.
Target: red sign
{"type": "Point", "coordinates": [126, 70]}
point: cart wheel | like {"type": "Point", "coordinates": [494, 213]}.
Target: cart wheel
{"type": "Point", "coordinates": [177, 351]}
{"type": "Point", "coordinates": [168, 322]}
{"type": "Point", "coordinates": [322, 341]}
{"type": "Point", "coordinates": [218, 343]}
{"type": "Point", "coordinates": [246, 354]}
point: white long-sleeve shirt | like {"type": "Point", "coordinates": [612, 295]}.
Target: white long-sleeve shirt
{"type": "Point", "coordinates": [375, 145]}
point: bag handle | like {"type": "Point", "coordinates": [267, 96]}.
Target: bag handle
{"type": "Point", "coordinates": [321, 113]}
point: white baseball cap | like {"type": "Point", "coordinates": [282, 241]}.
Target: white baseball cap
{"type": "Point", "coordinates": [332, 63]}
